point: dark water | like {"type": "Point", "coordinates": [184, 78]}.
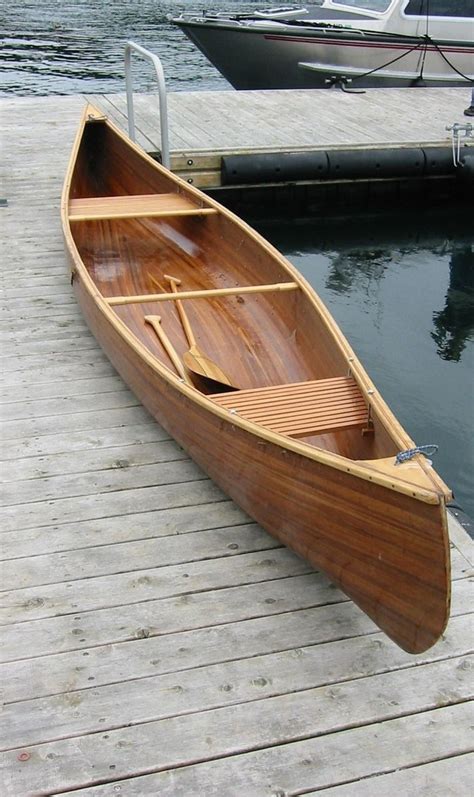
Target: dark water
{"type": "Point", "coordinates": [57, 47]}
{"type": "Point", "coordinates": [401, 288]}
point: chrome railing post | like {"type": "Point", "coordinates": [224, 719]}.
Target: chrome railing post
{"type": "Point", "coordinates": [163, 104]}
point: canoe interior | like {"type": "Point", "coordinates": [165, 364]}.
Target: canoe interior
{"type": "Point", "coordinates": [259, 339]}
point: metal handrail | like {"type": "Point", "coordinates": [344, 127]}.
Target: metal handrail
{"type": "Point", "coordinates": [467, 131]}
{"type": "Point", "coordinates": [160, 76]}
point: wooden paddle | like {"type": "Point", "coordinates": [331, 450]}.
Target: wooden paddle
{"type": "Point", "coordinates": [155, 322]}
{"type": "Point", "coordinates": [194, 359]}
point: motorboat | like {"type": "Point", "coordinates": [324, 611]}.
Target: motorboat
{"type": "Point", "coordinates": [368, 43]}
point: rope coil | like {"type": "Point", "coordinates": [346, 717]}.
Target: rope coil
{"type": "Point", "coordinates": [404, 456]}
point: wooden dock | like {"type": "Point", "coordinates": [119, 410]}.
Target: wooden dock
{"type": "Point", "coordinates": [155, 641]}
{"type": "Point", "coordinates": [204, 126]}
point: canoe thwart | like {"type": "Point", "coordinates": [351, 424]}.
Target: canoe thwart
{"type": "Point", "coordinates": [202, 294]}
{"type": "Point", "coordinates": [303, 408]}
{"type": "Point", "coordinates": [133, 207]}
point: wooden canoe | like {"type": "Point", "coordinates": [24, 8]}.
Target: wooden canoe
{"type": "Point", "coordinates": [304, 444]}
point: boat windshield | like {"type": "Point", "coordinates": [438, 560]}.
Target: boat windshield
{"type": "Point", "coordinates": [365, 5]}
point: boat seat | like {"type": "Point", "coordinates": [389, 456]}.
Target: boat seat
{"type": "Point", "coordinates": [301, 409]}
{"type": "Point", "coordinates": [133, 207]}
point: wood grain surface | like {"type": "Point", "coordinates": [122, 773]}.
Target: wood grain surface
{"type": "Point", "coordinates": [379, 534]}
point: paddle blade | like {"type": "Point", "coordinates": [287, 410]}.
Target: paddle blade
{"type": "Point", "coordinates": [198, 363]}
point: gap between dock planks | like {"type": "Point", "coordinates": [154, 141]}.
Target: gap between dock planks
{"type": "Point", "coordinates": [131, 602]}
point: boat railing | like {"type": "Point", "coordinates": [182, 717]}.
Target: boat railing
{"type": "Point", "coordinates": [163, 102]}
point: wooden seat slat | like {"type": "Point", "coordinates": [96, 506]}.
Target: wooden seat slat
{"type": "Point", "coordinates": [328, 397]}
{"type": "Point", "coordinates": [322, 428]}
{"type": "Point", "coordinates": [331, 383]}
{"type": "Point", "coordinates": [136, 206]}
{"type": "Point", "coordinates": [289, 413]}
{"type": "Point", "coordinates": [301, 409]}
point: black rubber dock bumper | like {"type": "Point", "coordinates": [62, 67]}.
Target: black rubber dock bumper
{"type": "Point", "coordinates": [334, 165]}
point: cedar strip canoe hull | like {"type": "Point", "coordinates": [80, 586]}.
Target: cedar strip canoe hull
{"type": "Point", "coordinates": [386, 548]}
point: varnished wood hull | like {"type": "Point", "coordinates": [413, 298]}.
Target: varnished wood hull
{"type": "Point", "coordinates": [383, 543]}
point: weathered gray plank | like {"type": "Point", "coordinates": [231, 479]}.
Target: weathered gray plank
{"type": "Point", "coordinates": [41, 468]}
{"type": "Point", "coordinates": [224, 120]}
{"type": "Point", "coordinates": [133, 556]}
{"type": "Point", "coordinates": [173, 469]}
{"type": "Point", "coordinates": [82, 366]}
{"type": "Point", "coordinates": [462, 541]}
{"type": "Point", "coordinates": [97, 437]}
{"type": "Point", "coordinates": [229, 683]}
{"type": "Point", "coordinates": [460, 567]}
{"type": "Point", "coordinates": [60, 290]}
{"type": "Point", "coordinates": [17, 328]}
{"type": "Point", "coordinates": [79, 339]}
{"type": "Point", "coordinates": [312, 763]}
{"type": "Point", "coordinates": [449, 777]}
{"type": "Point", "coordinates": [111, 504]}
{"type": "Point", "coordinates": [127, 588]}
{"type": "Point", "coordinates": [44, 408]}
{"type": "Point", "coordinates": [107, 644]}
{"type": "Point", "coordinates": [40, 310]}
{"type": "Point", "coordinates": [172, 653]}
{"type": "Point", "coordinates": [26, 304]}
{"type": "Point", "coordinates": [77, 559]}
{"type": "Point", "coordinates": [65, 389]}
{"type": "Point", "coordinates": [26, 276]}
{"type": "Point", "coordinates": [158, 617]}
{"type": "Point", "coordinates": [33, 542]}
{"type": "Point", "coordinates": [72, 422]}
{"type": "Point", "coordinates": [28, 361]}
{"type": "Point", "coordinates": [32, 363]}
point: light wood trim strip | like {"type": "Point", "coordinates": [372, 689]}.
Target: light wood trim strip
{"type": "Point", "coordinates": [133, 207]}
{"type": "Point", "coordinates": [204, 294]}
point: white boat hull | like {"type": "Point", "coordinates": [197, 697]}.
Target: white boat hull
{"type": "Point", "coordinates": [269, 58]}
{"type": "Point", "coordinates": [371, 42]}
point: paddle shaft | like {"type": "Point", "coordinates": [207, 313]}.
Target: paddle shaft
{"type": "Point", "coordinates": [182, 313]}
{"type": "Point", "coordinates": [155, 322]}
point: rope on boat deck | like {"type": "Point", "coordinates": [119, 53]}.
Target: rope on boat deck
{"type": "Point", "coordinates": [427, 451]}
{"type": "Point", "coordinates": [341, 81]}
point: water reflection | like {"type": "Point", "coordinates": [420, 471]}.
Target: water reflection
{"type": "Point", "coordinates": [351, 269]}
{"type": "Point", "coordinates": [454, 325]}
{"type": "Point", "coordinates": [362, 271]}
{"type": "Point", "coordinates": [362, 252]}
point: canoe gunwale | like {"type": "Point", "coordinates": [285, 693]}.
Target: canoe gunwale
{"type": "Point", "coordinates": [439, 494]}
